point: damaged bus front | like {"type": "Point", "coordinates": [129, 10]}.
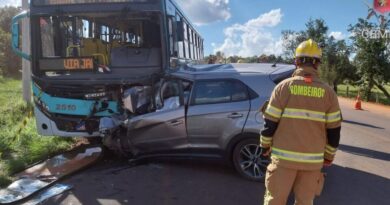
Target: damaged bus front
{"type": "Point", "coordinates": [98, 63]}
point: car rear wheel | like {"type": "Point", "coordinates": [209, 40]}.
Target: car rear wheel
{"type": "Point", "coordinates": [248, 161]}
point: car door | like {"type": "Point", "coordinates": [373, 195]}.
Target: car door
{"type": "Point", "coordinates": [218, 111]}
{"type": "Point", "coordinates": [165, 129]}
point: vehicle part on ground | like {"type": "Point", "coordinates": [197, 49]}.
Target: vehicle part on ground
{"type": "Point", "coordinates": [45, 174]}
{"type": "Point", "coordinates": [50, 192]}
{"type": "Point", "coordinates": [248, 161]}
{"type": "Point", "coordinates": [21, 189]}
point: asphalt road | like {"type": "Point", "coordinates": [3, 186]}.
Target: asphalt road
{"type": "Point", "coordinates": [360, 175]}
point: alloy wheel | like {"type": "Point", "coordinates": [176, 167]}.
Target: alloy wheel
{"type": "Point", "coordinates": [251, 162]}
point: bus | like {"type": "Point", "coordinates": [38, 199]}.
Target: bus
{"type": "Point", "coordinates": [88, 55]}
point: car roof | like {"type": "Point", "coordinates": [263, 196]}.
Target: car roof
{"type": "Point", "coordinates": [229, 70]}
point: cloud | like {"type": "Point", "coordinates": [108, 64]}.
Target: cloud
{"type": "Point", "coordinates": [337, 35]}
{"type": "Point", "coordinates": [253, 38]}
{"type": "Point", "coordinates": [203, 12]}
{"type": "Point", "coordinates": [10, 3]}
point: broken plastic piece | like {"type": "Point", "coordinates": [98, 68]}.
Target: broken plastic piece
{"type": "Point", "coordinates": [20, 189]}
{"type": "Point", "coordinates": [44, 174]}
{"type": "Point", "coordinates": [51, 192]}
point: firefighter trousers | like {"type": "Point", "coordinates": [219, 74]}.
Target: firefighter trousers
{"type": "Point", "coordinates": [280, 181]}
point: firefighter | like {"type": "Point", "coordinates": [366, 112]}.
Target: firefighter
{"type": "Point", "coordinates": [301, 131]}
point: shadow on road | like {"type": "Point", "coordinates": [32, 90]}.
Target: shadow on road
{"type": "Point", "coordinates": [194, 183]}
{"type": "Point", "coordinates": [362, 124]}
{"type": "Point", "coordinates": [365, 152]}
{"type": "Point", "coordinates": [344, 185]}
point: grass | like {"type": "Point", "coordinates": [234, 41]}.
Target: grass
{"type": "Point", "coordinates": [20, 145]}
{"type": "Point", "coordinates": [353, 92]}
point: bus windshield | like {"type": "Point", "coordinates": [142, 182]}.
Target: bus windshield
{"type": "Point", "coordinates": [114, 41]}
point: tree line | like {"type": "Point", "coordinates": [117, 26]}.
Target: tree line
{"type": "Point", "coordinates": [363, 59]}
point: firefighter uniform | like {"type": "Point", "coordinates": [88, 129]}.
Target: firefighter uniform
{"type": "Point", "coordinates": [302, 129]}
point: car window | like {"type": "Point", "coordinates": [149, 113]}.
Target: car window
{"type": "Point", "coordinates": [210, 92]}
{"type": "Point", "coordinates": [187, 87]}
{"type": "Point", "coordinates": [239, 91]}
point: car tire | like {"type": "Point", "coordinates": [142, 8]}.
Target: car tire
{"type": "Point", "coordinates": [248, 161]}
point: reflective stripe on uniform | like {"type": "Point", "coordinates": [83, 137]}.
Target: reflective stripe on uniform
{"type": "Point", "coordinates": [273, 111]}
{"type": "Point", "coordinates": [333, 117]}
{"type": "Point", "coordinates": [304, 114]}
{"type": "Point", "coordinates": [330, 150]}
{"type": "Point", "coordinates": [298, 156]}
{"type": "Point", "coordinates": [265, 140]}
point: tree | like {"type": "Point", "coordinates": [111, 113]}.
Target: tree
{"type": "Point", "coordinates": [6, 15]}
{"type": "Point", "coordinates": [372, 56]}
{"type": "Point", "coordinates": [220, 57]}
{"type": "Point", "coordinates": [10, 64]}
{"type": "Point", "coordinates": [291, 40]}
{"type": "Point", "coordinates": [233, 59]}
{"type": "Point", "coordinates": [335, 66]}
{"type": "Point", "coordinates": [315, 29]}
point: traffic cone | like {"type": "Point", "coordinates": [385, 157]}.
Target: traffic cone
{"type": "Point", "coordinates": [358, 103]}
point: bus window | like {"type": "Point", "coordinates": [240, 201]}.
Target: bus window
{"type": "Point", "coordinates": [128, 41]}
{"type": "Point", "coordinates": [47, 37]}
{"type": "Point", "coordinates": [186, 46]}
{"type": "Point", "coordinates": [172, 39]}
{"type": "Point", "coordinates": [191, 43]}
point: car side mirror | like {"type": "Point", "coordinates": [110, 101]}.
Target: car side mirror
{"type": "Point", "coordinates": [15, 43]}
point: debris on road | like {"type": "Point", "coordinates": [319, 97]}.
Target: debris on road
{"type": "Point", "coordinates": [45, 174]}
{"type": "Point", "coordinates": [51, 192]}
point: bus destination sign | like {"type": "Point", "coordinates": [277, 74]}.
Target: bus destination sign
{"type": "Point", "coordinates": [66, 64]}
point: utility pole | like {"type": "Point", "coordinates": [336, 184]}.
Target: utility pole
{"type": "Point", "coordinates": [26, 65]}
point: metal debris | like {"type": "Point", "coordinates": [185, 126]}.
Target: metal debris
{"type": "Point", "coordinates": [51, 192]}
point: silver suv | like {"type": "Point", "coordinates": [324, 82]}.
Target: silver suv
{"type": "Point", "coordinates": [204, 111]}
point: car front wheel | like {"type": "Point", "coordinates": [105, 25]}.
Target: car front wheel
{"type": "Point", "coordinates": [248, 161]}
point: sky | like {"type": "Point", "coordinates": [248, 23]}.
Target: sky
{"type": "Point", "coordinates": [253, 27]}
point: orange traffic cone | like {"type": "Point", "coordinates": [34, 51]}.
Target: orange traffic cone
{"type": "Point", "coordinates": [358, 103]}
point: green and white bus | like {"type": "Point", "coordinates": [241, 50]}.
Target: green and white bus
{"type": "Point", "coordinates": [85, 55]}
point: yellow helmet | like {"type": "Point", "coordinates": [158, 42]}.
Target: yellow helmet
{"type": "Point", "coordinates": [308, 48]}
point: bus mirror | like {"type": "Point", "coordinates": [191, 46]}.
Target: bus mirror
{"type": "Point", "coordinates": [16, 34]}
{"type": "Point", "coordinates": [180, 31]}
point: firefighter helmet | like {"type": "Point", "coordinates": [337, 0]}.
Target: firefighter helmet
{"type": "Point", "coordinates": [309, 49]}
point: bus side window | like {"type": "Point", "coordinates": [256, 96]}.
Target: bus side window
{"type": "Point", "coordinates": [180, 36]}
{"type": "Point", "coordinates": [186, 46]}
{"type": "Point", "coordinates": [172, 38]}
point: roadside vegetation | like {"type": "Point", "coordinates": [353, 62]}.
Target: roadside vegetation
{"type": "Point", "coordinates": [20, 145]}
{"type": "Point", "coordinates": [350, 91]}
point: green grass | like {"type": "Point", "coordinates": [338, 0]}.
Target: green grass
{"type": "Point", "coordinates": [21, 149]}
{"type": "Point", "coordinates": [353, 92]}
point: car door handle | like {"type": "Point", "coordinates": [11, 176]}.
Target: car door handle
{"type": "Point", "coordinates": [175, 122]}
{"type": "Point", "coordinates": [235, 115]}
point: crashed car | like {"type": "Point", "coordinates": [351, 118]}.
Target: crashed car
{"type": "Point", "coordinates": [205, 111]}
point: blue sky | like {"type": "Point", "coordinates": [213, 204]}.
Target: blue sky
{"type": "Point", "coordinates": [253, 27]}
{"type": "Point", "coordinates": [293, 15]}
